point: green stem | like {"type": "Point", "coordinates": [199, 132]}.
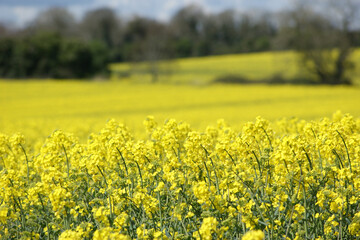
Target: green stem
{"type": "Point", "coordinates": [139, 173]}
{"type": "Point", "coordinates": [308, 158]}
{"type": "Point", "coordinates": [27, 162]}
{"type": "Point", "coordinates": [208, 174]}
{"type": "Point", "coordinates": [101, 172]}
{"type": "Point", "coordinates": [341, 165]}
{"type": "Point", "coordinates": [67, 161]}
{"type": "Point", "coordinates": [347, 151]}
{"type": "Point", "coordinates": [122, 157]}
{"type": "Point", "coordinates": [41, 201]}
{"type": "Point", "coordinates": [216, 177]}
{"type": "Point", "coordinates": [258, 162]}
{"type": "Point", "coordinates": [230, 157]}
{"type": "Point", "coordinates": [271, 147]}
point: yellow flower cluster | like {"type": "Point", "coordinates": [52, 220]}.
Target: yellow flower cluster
{"type": "Point", "coordinates": [207, 228]}
{"type": "Point", "coordinates": [254, 235]}
{"type": "Point", "coordinates": [290, 179]}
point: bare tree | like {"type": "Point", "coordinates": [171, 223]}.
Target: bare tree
{"type": "Point", "coordinates": [188, 21]}
{"type": "Point", "coordinates": [323, 37]}
{"type": "Point", "coordinates": [57, 19]}
{"type": "Point", "coordinates": [188, 28]}
{"type": "Point", "coordinates": [221, 31]}
{"type": "Point", "coordinates": [148, 41]}
{"type": "Point", "coordinates": [102, 25]}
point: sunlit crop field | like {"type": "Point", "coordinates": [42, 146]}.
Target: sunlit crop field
{"type": "Point", "coordinates": [83, 160]}
{"type": "Point", "coordinates": [254, 66]}
{"type": "Point", "coordinates": [36, 108]}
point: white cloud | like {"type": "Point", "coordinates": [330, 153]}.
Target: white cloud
{"type": "Point", "coordinates": [168, 9]}
{"type": "Point", "coordinates": [25, 14]}
{"type": "Point", "coordinates": [263, 4]}
{"type": "Point", "coordinates": [18, 15]}
{"type": "Point", "coordinates": [199, 2]}
{"type": "Point", "coordinates": [77, 10]}
{"type": "Point", "coordinates": [112, 3]}
{"type": "Point", "coordinates": [6, 15]}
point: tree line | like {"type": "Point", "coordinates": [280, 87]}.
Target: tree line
{"type": "Point", "coordinates": [57, 45]}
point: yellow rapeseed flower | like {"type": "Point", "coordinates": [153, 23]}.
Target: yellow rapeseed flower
{"type": "Point", "coordinates": [254, 235]}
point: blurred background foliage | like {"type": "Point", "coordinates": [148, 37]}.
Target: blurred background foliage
{"type": "Point", "coordinates": [56, 45]}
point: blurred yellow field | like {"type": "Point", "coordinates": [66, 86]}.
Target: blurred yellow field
{"type": "Point", "coordinates": [254, 66]}
{"type": "Point", "coordinates": [39, 107]}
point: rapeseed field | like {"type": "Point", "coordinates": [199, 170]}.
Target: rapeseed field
{"type": "Point", "coordinates": [36, 108]}
{"type": "Point", "coordinates": [200, 70]}
{"type": "Point", "coordinates": [300, 181]}
{"type": "Point", "coordinates": [124, 160]}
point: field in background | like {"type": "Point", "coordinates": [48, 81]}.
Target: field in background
{"type": "Point", "coordinates": [253, 66]}
{"type": "Point", "coordinates": [36, 108]}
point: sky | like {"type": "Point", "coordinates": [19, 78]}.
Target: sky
{"type": "Point", "coordinates": [19, 12]}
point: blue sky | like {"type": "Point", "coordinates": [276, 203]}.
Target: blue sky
{"type": "Point", "coordinates": [19, 12]}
